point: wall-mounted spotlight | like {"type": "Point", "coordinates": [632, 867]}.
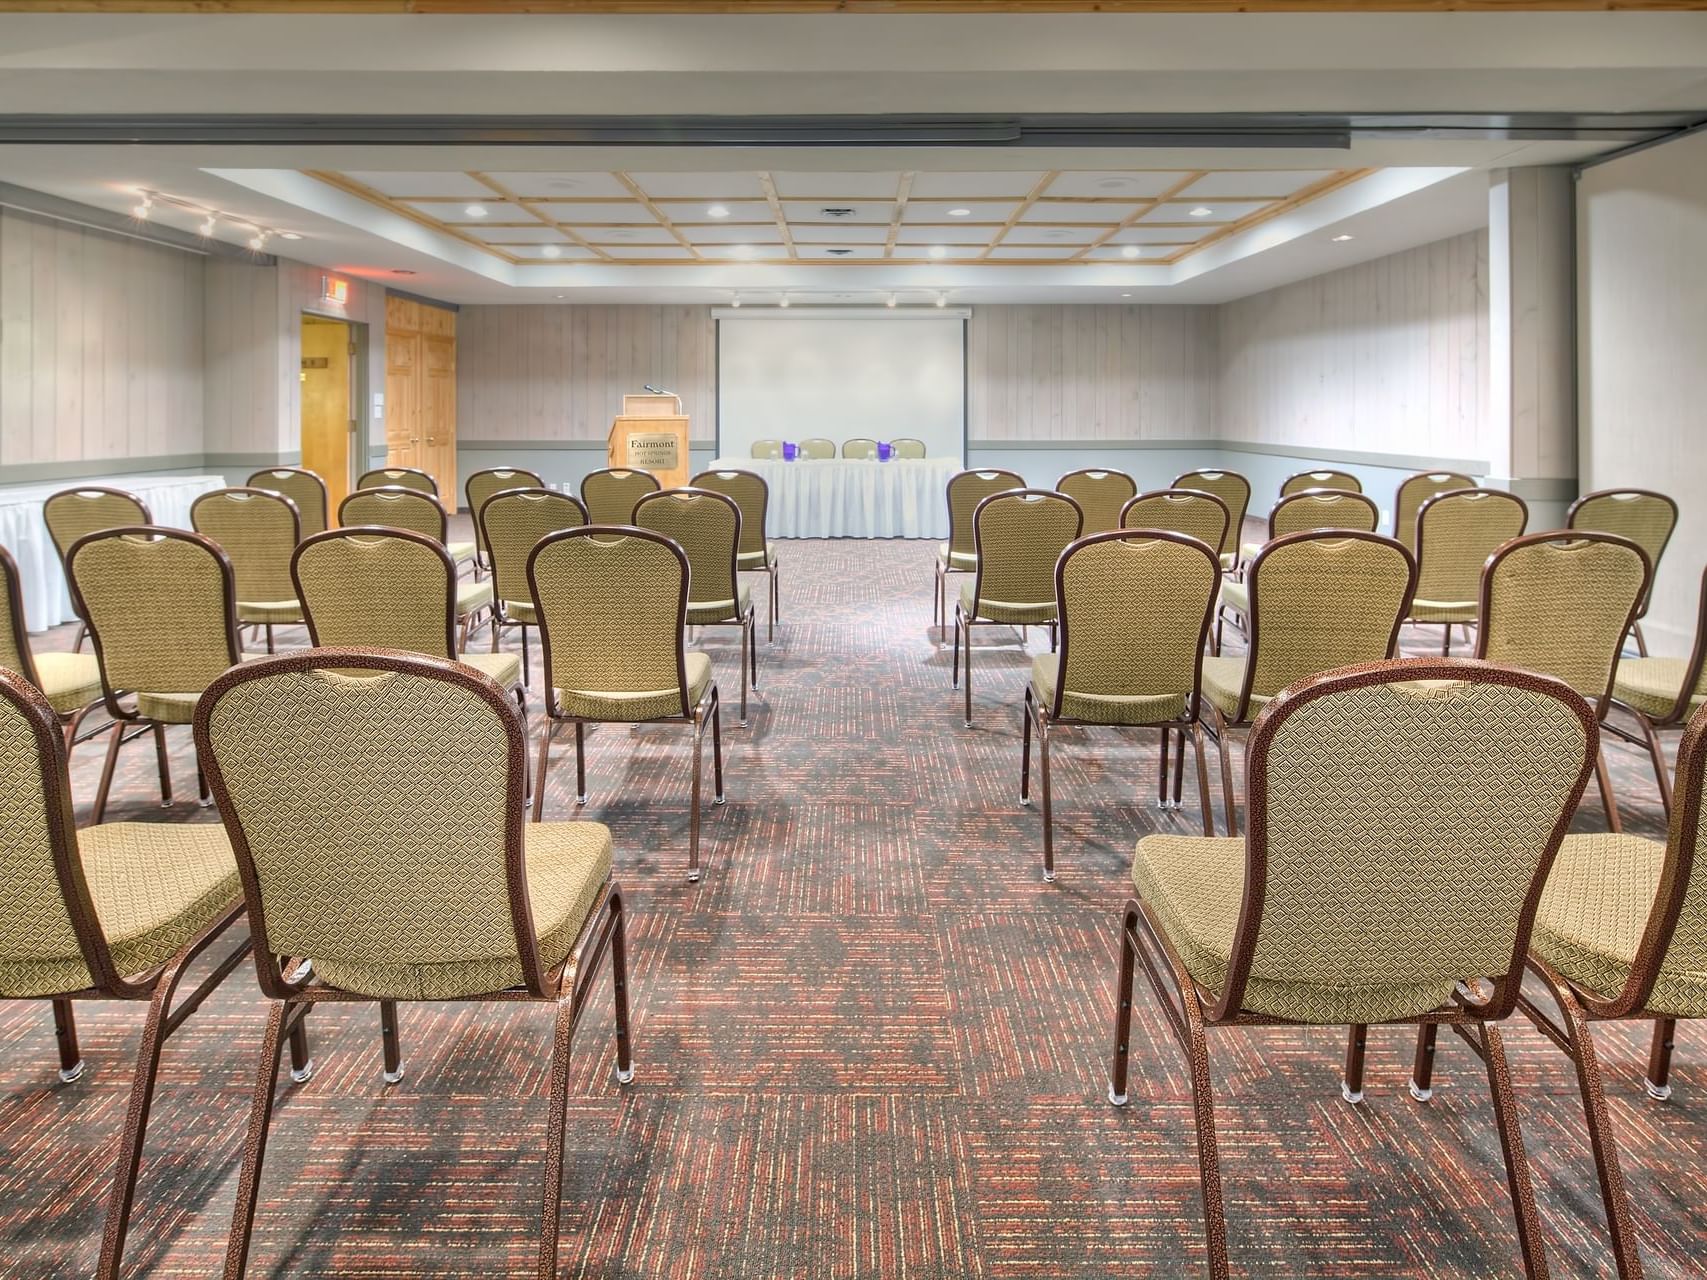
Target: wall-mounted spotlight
{"type": "Point", "coordinates": [208, 225]}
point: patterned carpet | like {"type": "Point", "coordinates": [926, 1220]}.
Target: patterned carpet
{"type": "Point", "coordinates": [870, 1043]}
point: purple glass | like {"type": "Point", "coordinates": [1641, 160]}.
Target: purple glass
{"type": "Point", "coordinates": [790, 451]}
{"type": "Point", "coordinates": [885, 451]}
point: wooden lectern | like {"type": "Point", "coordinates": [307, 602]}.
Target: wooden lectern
{"type": "Point", "coordinates": [651, 434]}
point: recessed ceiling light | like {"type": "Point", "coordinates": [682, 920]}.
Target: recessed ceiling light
{"type": "Point", "coordinates": [146, 207]}
{"type": "Point", "coordinates": [1126, 295]}
{"type": "Point", "coordinates": [736, 303]}
{"type": "Point", "coordinates": [784, 303]}
{"type": "Point", "coordinates": [743, 251]}
{"type": "Point", "coordinates": [891, 301]}
{"type": "Point", "coordinates": [942, 299]}
{"type": "Point", "coordinates": [960, 213]}
{"type": "Point", "coordinates": [1202, 211]}
{"type": "Point", "coordinates": [476, 211]}
{"type": "Point", "coordinates": [290, 235]}
{"type": "Point", "coordinates": [562, 296]}
{"type": "Point", "coordinates": [1131, 251]}
{"type": "Point", "coordinates": [1342, 237]}
{"type": "Point", "coordinates": [717, 211]}
{"type": "Point", "coordinates": [552, 251]}
{"type": "Point", "coordinates": [939, 251]}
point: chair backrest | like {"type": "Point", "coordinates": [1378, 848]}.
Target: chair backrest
{"type": "Point", "coordinates": [1189, 511]}
{"type": "Point", "coordinates": [1233, 489]}
{"type": "Point", "coordinates": [1320, 600]}
{"type": "Point", "coordinates": [859, 447]}
{"type": "Point", "coordinates": [305, 488]}
{"type": "Point", "coordinates": [296, 750]}
{"type": "Point", "coordinates": [399, 477]}
{"type": "Point", "coordinates": [609, 495]}
{"type": "Point", "coordinates": [73, 513]}
{"type": "Point", "coordinates": [14, 630]}
{"type": "Point", "coordinates": [907, 447]}
{"type": "Point", "coordinates": [1415, 490]}
{"type": "Point", "coordinates": [1694, 683]}
{"type": "Point", "coordinates": [1101, 494]}
{"type": "Point", "coordinates": [817, 447]}
{"type": "Point", "coordinates": [1134, 607]}
{"type": "Point", "coordinates": [1561, 605]}
{"type": "Point", "coordinates": [397, 508]}
{"type": "Point", "coordinates": [764, 449]}
{"type": "Point", "coordinates": [707, 527]}
{"type": "Point", "coordinates": [161, 605]}
{"type": "Point", "coordinates": [612, 601]}
{"type": "Point", "coordinates": [385, 588]}
{"type": "Point", "coordinates": [257, 529]}
{"type": "Point", "coordinates": [1324, 479]}
{"type": "Point", "coordinates": [1019, 536]}
{"type": "Point", "coordinates": [483, 484]}
{"type": "Point", "coordinates": [751, 494]}
{"type": "Point", "coordinates": [966, 489]}
{"type": "Point", "coordinates": [513, 522]}
{"type": "Point", "coordinates": [1403, 818]}
{"type": "Point", "coordinates": [1456, 533]}
{"type": "Point", "coordinates": [1641, 515]}
{"type": "Point", "coordinates": [1322, 509]}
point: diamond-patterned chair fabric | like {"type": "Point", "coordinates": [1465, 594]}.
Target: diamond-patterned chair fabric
{"type": "Point", "coordinates": [966, 489]}
{"type": "Point", "coordinates": [257, 530]}
{"type": "Point", "coordinates": [1234, 490]}
{"type": "Point", "coordinates": [707, 527]}
{"type": "Point", "coordinates": [1100, 494]}
{"type": "Point", "coordinates": [304, 488]}
{"type": "Point", "coordinates": [1020, 536]}
{"type": "Point", "coordinates": [482, 485]}
{"type": "Point", "coordinates": [1327, 478]}
{"type": "Point", "coordinates": [1192, 513]}
{"type": "Point", "coordinates": [1415, 490]}
{"type": "Point", "coordinates": [610, 495]}
{"type": "Point", "coordinates": [1456, 533]}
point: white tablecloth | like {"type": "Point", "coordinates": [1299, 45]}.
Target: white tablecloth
{"type": "Point", "coordinates": [47, 600]}
{"type": "Point", "coordinates": [851, 498]}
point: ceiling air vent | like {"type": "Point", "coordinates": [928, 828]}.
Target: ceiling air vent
{"type": "Point", "coordinates": [837, 213]}
{"type": "Point", "coordinates": [838, 253]}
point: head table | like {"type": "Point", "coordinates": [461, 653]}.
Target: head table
{"type": "Point", "coordinates": [47, 600]}
{"type": "Point", "coordinates": [853, 497]}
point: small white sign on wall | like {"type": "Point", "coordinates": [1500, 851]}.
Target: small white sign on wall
{"type": "Point", "coordinates": [378, 405]}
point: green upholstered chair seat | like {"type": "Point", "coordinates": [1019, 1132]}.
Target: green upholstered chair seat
{"type": "Point", "coordinates": [460, 552]}
{"type": "Point", "coordinates": [753, 560]}
{"type": "Point", "coordinates": [1592, 916]}
{"type": "Point", "coordinates": [568, 864]}
{"type": "Point", "coordinates": [704, 611]}
{"type": "Point", "coordinates": [1248, 550]}
{"type": "Point", "coordinates": [471, 597]}
{"type": "Point", "coordinates": [503, 668]}
{"type": "Point", "coordinates": [71, 681]}
{"type": "Point", "coordinates": [1229, 561]}
{"type": "Point", "coordinates": [175, 708]}
{"type": "Point", "coordinates": [154, 887]}
{"type": "Point", "coordinates": [1443, 610]}
{"type": "Point", "coordinates": [641, 704]}
{"type": "Point", "coordinates": [521, 611]}
{"type": "Point", "coordinates": [1236, 596]}
{"type": "Point", "coordinates": [1194, 887]}
{"type": "Point", "coordinates": [1651, 685]}
{"type": "Point", "coordinates": [1223, 678]}
{"type": "Point", "coordinates": [1013, 612]}
{"type": "Point", "coordinates": [274, 611]}
{"type": "Point", "coordinates": [1102, 708]}
{"type": "Point", "coordinates": [960, 561]}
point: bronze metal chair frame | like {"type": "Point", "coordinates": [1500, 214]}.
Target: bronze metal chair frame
{"type": "Point", "coordinates": [1223, 612]}
{"type": "Point", "coordinates": [362, 480]}
{"type": "Point", "coordinates": [1235, 519]}
{"type": "Point", "coordinates": [748, 621]}
{"type": "Point", "coordinates": [694, 715]}
{"type": "Point", "coordinates": [1603, 699]}
{"type": "Point", "coordinates": [271, 495]}
{"type": "Point", "coordinates": [1190, 1009]}
{"type": "Point", "coordinates": [1097, 474]}
{"type": "Point", "coordinates": [1047, 718]}
{"type": "Point", "coordinates": [1677, 717]}
{"type": "Point", "coordinates": [939, 619]}
{"type": "Point", "coordinates": [158, 987]}
{"type": "Point", "coordinates": [861, 441]}
{"type": "Point", "coordinates": [616, 471]}
{"type": "Point", "coordinates": [325, 496]}
{"type": "Point", "coordinates": [1654, 560]}
{"type": "Point", "coordinates": [819, 444]}
{"type": "Point", "coordinates": [290, 984]}
{"type": "Point", "coordinates": [1219, 727]}
{"type": "Point", "coordinates": [130, 718]}
{"type": "Point", "coordinates": [1446, 627]}
{"type": "Point", "coordinates": [145, 517]}
{"type": "Point", "coordinates": [770, 568]}
{"type": "Point", "coordinates": [1320, 478]}
{"type": "Point", "coordinates": [501, 620]}
{"type": "Point", "coordinates": [533, 481]}
{"type": "Point", "coordinates": [963, 622]}
{"type": "Point", "coordinates": [71, 722]}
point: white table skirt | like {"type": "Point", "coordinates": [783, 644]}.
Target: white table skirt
{"type": "Point", "coordinates": [47, 599]}
{"type": "Point", "coordinates": [853, 498]}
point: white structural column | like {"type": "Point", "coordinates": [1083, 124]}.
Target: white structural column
{"type": "Point", "coordinates": [1532, 432]}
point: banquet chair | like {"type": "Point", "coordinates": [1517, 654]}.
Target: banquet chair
{"type": "Point", "coordinates": [1189, 511]}
{"type": "Point", "coordinates": [1343, 481]}
{"type": "Point", "coordinates": [71, 682]}
{"type": "Point", "coordinates": [1301, 512]}
{"type": "Point", "coordinates": [817, 448]}
{"type": "Point", "coordinates": [1561, 604]}
{"type": "Point", "coordinates": [304, 488]}
{"type": "Point", "coordinates": [612, 612]}
{"type": "Point", "coordinates": [1101, 494]}
{"type": "Point", "coordinates": [707, 527]}
{"type": "Point", "coordinates": [112, 912]}
{"type": "Point", "coordinates": [1234, 490]}
{"type": "Point", "coordinates": [398, 477]}
{"type": "Point", "coordinates": [1415, 490]}
{"type": "Point", "coordinates": [512, 523]}
{"type": "Point", "coordinates": [609, 495]}
{"type": "Point", "coordinates": [257, 529]}
{"type": "Point", "coordinates": [1621, 936]}
{"type": "Point", "coordinates": [1456, 532]}
{"type": "Point", "coordinates": [757, 553]}
{"type": "Point", "coordinates": [765, 450]}
{"type": "Point", "coordinates": [1019, 535]}
{"type": "Point", "coordinates": [1134, 610]}
{"type": "Point", "coordinates": [1662, 693]}
{"type": "Point", "coordinates": [481, 486]}
{"type": "Point", "coordinates": [390, 589]}
{"type": "Point", "coordinates": [908, 447]}
{"type": "Point", "coordinates": [1404, 816]}
{"type": "Point", "coordinates": [1316, 600]}
{"type": "Point", "coordinates": [859, 447]}
{"type": "Point", "coordinates": [162, 611]}
{"type": "Point", "coordinates": [1641, 515]}
{"type": "Point", "coordinates": [966, 489]}
{"type": "Point", "coordinates": [403, 508]}
{"type": "Point", "coordinates": [442, 893]}
{"type": "Point", "coordinates": [72, 513]}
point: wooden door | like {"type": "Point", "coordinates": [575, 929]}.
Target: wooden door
{"type": "Point", "coordinates": [326, 410]}
{"type": "Point", "coordinates": [420, 391]}
{"type": "Point", "coordinates": [402, 382]}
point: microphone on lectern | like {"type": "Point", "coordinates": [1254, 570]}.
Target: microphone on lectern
{"type": "Point", "coordinates": [657, 391]}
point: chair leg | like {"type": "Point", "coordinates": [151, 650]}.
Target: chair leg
{"type": "Point", "coordinates": [967, 631]}
{"type": "Point", "coordinates": [1658, 1080]}
{"type": "Point", "coordinates": [1048, 799]}
{"type": "Point", "coordinates": [390, 1046]}
{"type": "Point", "coordinates": [1351, 1088]}
{"type": "Point", "coordinates": [1117, 1094]}
{"type": "Point", "coordinates": [527, 674]}
{"type": "Point", "coordinates": [539, 775]}
{"type": "Point", "coordinates": [1162, 772]}
{"type": "Point", "coordinates": [163, 765]}
{"type": "Point", "coordinates": [301, 1062]}
{"type": "Point", "coordinates": [82, 634]}
{"type": "Point", "coordinates": [937, 619]}
{"type": "Point", "coordinates": [1422, 1070]}
{"type": "Point", "coordinates": [1657, 754]}
{"type": "Point", "coordinates": [551, 1206]}
{"type": "Point", "coordinates": [753, 646]}
{"type": "Point", "coordinates": [1208, 1151]}
{"type": "Point", "coordinates": [65, 1036]}
{"type": "Point", "coordinates": [255, 1144]}
{"type": "Point", "coordinates": [106, 783]}
{"type": "Point", "coordinates": [745, 639]}
{"type": "Point", "coordinates": [1603, 778]}
{"type": "Point", "coordinates": [1025, 714]}
{"type": "Point", "coordinates": [1446, 640]}
{"type": "Point", "coordinates": [580, 763]}
{"type": "Point", "coordinates": [1641, 642]}
{"type": "Point", "coordinates": [71, 727]}
{"type": "Point", "coordinates": [1511, 1147]}
{"type": "Point", "coordinates": [1221, 735]}
{"type": "Point", "coordinates": [693, 812]}
{"type": "Point", "coordinates": [270, 648]}
{"type": "Point", "coordinates": [717, 748]}
{"type": "Point", "coordinates": [619, 988]}
{"type": "Point", "coordinates": [954, 661]}
{"type": "Point", "coordinates": [1204, 800]}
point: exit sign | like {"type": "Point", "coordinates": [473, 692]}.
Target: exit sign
{"type": "Point", "coordinates": [334, 290]}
